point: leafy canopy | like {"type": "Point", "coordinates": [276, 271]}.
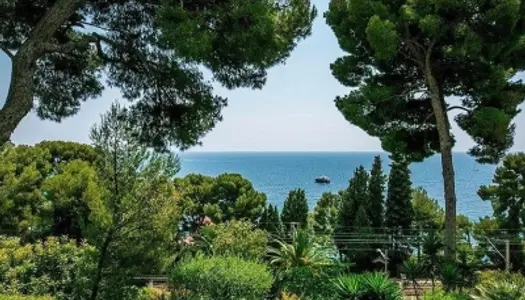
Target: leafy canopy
{"type": "Point", "coordinates": [68, 50]}
{"type": "Point", "coordinates": [473, 49]}
{"type": "Point", "coordinates": [222, 198]}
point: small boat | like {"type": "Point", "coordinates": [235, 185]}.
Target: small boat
{"type": "Point", "coordinates": [322, 179]}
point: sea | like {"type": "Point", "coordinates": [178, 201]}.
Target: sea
{"type": "Point", "coordinates": [277, 173]}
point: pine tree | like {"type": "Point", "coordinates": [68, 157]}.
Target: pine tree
{"type": "Point", "coordinates": [295, 208]}
{"type": "Point", "coordinates": [271, 222]}
{"type": "Point", "coordinates": [376, 189]}
{"type": "Point", "coordinates": [355, 195]}
{"type": "Point", "coordinates": [326, 213]}
{"type": "Point", "coordinates": [399, 212]}
{"type": "Point", "coordinates": [353, 217]}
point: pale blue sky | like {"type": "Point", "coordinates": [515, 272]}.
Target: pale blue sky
{"type": "Point", "coordinates": [294, 111]}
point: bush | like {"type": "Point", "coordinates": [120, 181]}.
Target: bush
{"type": "Point", "coordinates": [22, 297]}
{"type": "Point", "coordinates": [367, 286]}
{"type": "Point", "coordinates": [236, 238]}
{"type": "Point", "coordinates": [442, 295]}
{"type": "Point", "coordinates": [55, 267]}
{"type": "Point", "coordinates": [153, 293]}
{"type": "Point", "coordinates": [500, 285]}
{"type": "Point", "coordinates": [222, 278]}
{"type": "Point", "coordinates": [309, 283]}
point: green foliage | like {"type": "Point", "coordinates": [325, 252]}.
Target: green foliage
{"type": "Point", "coordinates": [442, 295]}
{"type": "Point", "coordinates": [354, 218]}
{"type": "Point", "coordinates": [499, 285]}
{"type": "Point", "coordinates": [427, 212]}
{"type": "Point", "coordinates": [304, 251]}
{"type": "Point", "coordinates": [309, 283]}
{"type": "Point", "coordinates": [399, 211]}
{"type": "Point", "coordinates": [326, 213]}
{"type": "Point", "coordinates": [153, 293]}
{"type": "Point", "coordinates": [135, 230]}
{"type": "Point", "coordinates": [222, 198]}
{"type": "Point", "coordinates": [88, 41]}
{"type": "Point", "coordinates": [367, 286]}
{"type": "Point", "coordinates": [55, 267]}
{"type": "Point", "coordinates": [236, 238]}
{"type": "Point", "coordinates": [295, 208]}
{"type": "Point", "coordinates": [508, 202]}
{"type": "Point", "coordinates": [29, 175]}
{"type": "Point", "coordinates": [376, 190]}
{"type": "Point", "coordinates": [222, 278]}
{"type": "Point", "coordinates": [271, 221]}
{"type": "Point", "coordinates": [21, 297]}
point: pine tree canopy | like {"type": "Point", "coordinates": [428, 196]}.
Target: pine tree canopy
{"type": "Point", "coordinates": [402, 54]}
{"type": "Point", "coordinates": [64, 52]}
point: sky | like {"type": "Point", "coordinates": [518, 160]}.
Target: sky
{"type": "Point", "coordinates": [295, 111]}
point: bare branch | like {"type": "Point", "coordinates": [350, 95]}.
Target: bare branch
{"type": "Point", "coordinates": [461, 108]}
{"type": "Point", "coordinates": [7, 52]}
{"type": "Point", "coordinates": [449, 109]}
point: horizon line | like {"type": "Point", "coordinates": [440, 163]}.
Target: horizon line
{"type": "Point", "coordinates": [294, 151]}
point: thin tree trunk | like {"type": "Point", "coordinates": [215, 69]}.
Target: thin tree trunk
{"type": "Point", "coordinates": [445, 142]}
{"type": "Point", "coordinates": [19, 99]}
{"type": "Point", "coordinates": [100, 265]}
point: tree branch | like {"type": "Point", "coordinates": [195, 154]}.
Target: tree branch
{"type": "Point", "coordinates": [449, 109]}
{"type": "Point", "coordinates": [70, 46]}
{"type": "Point", "coordinates": [461, 108]}
{"type": "Point", "coordinates": [7, 52]}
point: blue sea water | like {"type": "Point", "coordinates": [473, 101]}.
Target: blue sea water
{"type": "Point", "coordinates": [276, 173]}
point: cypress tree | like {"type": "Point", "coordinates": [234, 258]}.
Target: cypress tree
{"type": "Point", "coordinates": [326, 213]}
{"type": "Point", "coordinates": [295, 209]}
{"type": "Point", "coordinates": [353, 217]}
{"type": "Point", "coordinates": [355, 195]}
{"type": "Point", "coordinates": [376, 190]}
{"type": "Point", "coordinates": [399, 212]}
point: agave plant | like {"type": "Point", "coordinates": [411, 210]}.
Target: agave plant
{"type": "Point", "coordinates": [304, 251]}
{"type": "Point", "coordinates": [349, 287]}
{"type": "Point", "coordinates": [367, 286]}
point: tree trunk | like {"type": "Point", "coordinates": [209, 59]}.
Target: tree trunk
{"type": "Point", "coordinates": [19, 99]}
{"type": "Point", "coordinates": [445, 142]}
{"type": "Point", "coordinates": [100, 265]}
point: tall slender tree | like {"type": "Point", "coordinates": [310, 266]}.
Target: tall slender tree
{"type": "Point", "coordinates": [376, 191]}
{"type": "Point", "coordinates": [295, 209]}
{"type": "Point", "coordinates": [139, 215]}
{"type": "Point", "coordinates": [326, 213]}
{"type": "Point", "coordinates": [353, 214]}
{"type": "Point", "coordinates": [271, 221]}
{"type": "Point", "coordinates": [405, 59]}
{"type": "Point", "coordinates": [399, 211]}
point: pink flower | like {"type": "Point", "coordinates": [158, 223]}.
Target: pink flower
{"type": "Point", "coordinates": [207, 221]}
{"type": "Point", "coordinates": [189, 240]}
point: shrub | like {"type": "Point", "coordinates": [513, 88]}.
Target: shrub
{"type": "Point", "coordinates": [367, 286]}
{"type": "Point", "coordinates": [222, 278]}
{"type": "Point", "coordinates": [236, 238]}
{"type": "Point", "coordinates": [309, 283]}
{"type": "Point", "coordinates": [55, 267]}
{"type": "Point", "coordinates": [442, 295]}
{"type": "Point", "coordinates": [153, 293]}
{"type": "Point", "coordinates": [499, 285]}
{"type": "Point", "coordinates": [22, 297]}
